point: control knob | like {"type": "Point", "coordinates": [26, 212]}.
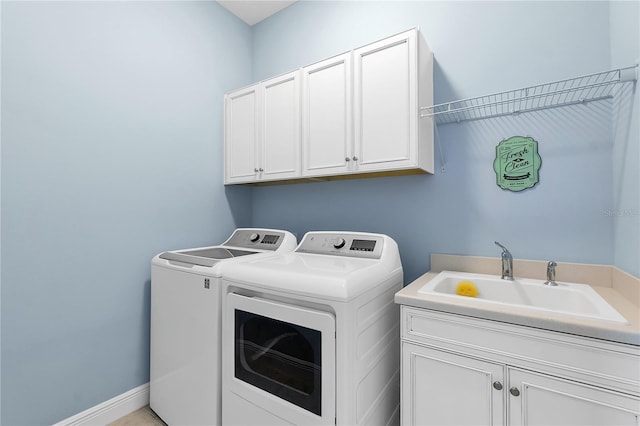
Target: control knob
{"type": "Point", "coordinates": [339, 243]}
{"type": "Point", "coordinates": [254, 237]}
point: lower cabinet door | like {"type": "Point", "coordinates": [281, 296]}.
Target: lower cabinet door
{"type": "Point", "coordinates": [540, 400]}
{"type": "Point", "coordinates": [443, 388]}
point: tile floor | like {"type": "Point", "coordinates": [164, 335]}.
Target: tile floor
{"type": "Point", "coordinates": [142, 417]}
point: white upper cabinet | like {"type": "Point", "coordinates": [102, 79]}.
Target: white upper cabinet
{"type": "Point", "coordinates": [355, 113]}
{"type": "Point", "coordinates": [392, 78]}
{"type": "Point", "coordinates": [327, 131]}
{"type": "Point", "coordinates": [262, 131]}
{"type": "Point", "coordinates": [280, 136]}
{"type": "Point", "coordinates": [241, 135]}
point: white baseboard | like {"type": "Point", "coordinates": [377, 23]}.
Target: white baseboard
{"type": "Point", "coordinates": [111, 410]}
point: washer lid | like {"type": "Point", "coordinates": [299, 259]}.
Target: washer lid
{"type": "Point", "coordinates": [204, 257]}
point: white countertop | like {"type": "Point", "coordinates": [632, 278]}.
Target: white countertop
{"type": "Point", "coordinates": [618, 289]}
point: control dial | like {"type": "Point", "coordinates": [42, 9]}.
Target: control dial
{"type": "Point", "coordinates": [339, 243]}
{"type": "Point", "coordinates": [254, 237]}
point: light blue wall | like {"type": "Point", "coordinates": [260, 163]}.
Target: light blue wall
{"type": "Point", "coordinates": [111, 152]}
{"type": "Point", "coordinates": [625, 51]}
{"type": "Point", "coordinates": [480, 48]}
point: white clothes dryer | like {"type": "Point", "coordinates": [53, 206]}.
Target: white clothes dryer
{"type": "Point", "coordinates": [311, 337]}
{"type": "Point", "coordinates": [185, 360]}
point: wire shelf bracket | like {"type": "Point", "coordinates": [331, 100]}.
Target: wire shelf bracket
{"type": "Point", "coordinates": [579, 90]}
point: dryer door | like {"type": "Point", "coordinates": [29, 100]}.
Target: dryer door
{"type": "Point", "coordinates": [283, 360]}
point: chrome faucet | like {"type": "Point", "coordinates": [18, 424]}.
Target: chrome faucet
{"type": "Point", "coordinates": [551, 274]}
{"type": "Point", "coordinates": [507, 263]}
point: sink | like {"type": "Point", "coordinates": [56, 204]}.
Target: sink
{"type": "Point", "coordinates": [566, 298]}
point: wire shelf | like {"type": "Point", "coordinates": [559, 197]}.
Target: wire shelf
{"type": "Point", "coordinates": [588, 88]}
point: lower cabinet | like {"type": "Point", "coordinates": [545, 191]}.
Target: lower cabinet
{"type": "Point", "coordinates": [443, 388]}
{"type": "Point", "coordinates": [448, 379]}
{"type": "Point", "coordinates": [540, 399]}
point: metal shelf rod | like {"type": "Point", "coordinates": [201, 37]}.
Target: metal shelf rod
{"type": "Point", "coordinates": [539, 108]}
{"type": "Point", "coordinates": [587, 88]}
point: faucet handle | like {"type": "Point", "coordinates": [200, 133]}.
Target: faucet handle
{"type": "Point", "coordinates": [507, 263]}
{"type": "Point", "coordinates": [551, 273]}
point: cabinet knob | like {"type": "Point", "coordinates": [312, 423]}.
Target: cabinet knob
{"type": "Point", "coordinates": [355, 158]}
{"type": "Point", "coordinates": [514, 391]}
{"type": "Point", "coordinates": [261, 169]}
{"type": "Point", "coordinates": [497, 385]}
{"type": "Point", "coordinates": [347, 159]}
{"type": "Point", "coordinates": [256, 170]}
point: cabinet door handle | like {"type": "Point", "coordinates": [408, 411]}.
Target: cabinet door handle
{"type": "Point", "coordinates": [347, 159]}
{"type": "Point", "coordinates": [514, 391]}
{"type": "Point", "coordinates": [497, 385]}
{"type": "Point", "coordinates": [261, 169]}
{"type": "Point", "coordinates": [256, 170]}
{"type": "Point", "coordinates": [355, 158]}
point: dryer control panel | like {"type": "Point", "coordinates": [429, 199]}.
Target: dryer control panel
{"type": "Point", "coordinates": [362, 245]}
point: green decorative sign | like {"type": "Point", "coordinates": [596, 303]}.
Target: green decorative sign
{"type": "Point", "coordinates": [517, 163]}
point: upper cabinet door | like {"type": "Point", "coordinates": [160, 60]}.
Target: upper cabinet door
{"type": "Point", "coordinates": [241, 135]}
{"type": "Point", "coordinates": [387, 96]}
{"type": "Point", "coordinates": [326, 117]}
{"type": "Point", "coordinates": [280, 136]}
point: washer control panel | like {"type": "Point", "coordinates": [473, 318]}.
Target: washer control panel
{"type": "Point", "coordinates": [362, 245]}
{"type": "Point", "coordinates": [263, 239]}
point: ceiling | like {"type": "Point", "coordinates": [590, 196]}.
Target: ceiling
{"type": "Point", "coordinates": [254, 11]}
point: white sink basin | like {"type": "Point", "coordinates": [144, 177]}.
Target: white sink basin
{"type": "Point", "coordinates": [566, 298]}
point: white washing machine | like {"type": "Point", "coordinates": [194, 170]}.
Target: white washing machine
{"type": "Point", "coordinates": [311, 337]}
{"type": "Point", "coordinates": [186, 320]}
